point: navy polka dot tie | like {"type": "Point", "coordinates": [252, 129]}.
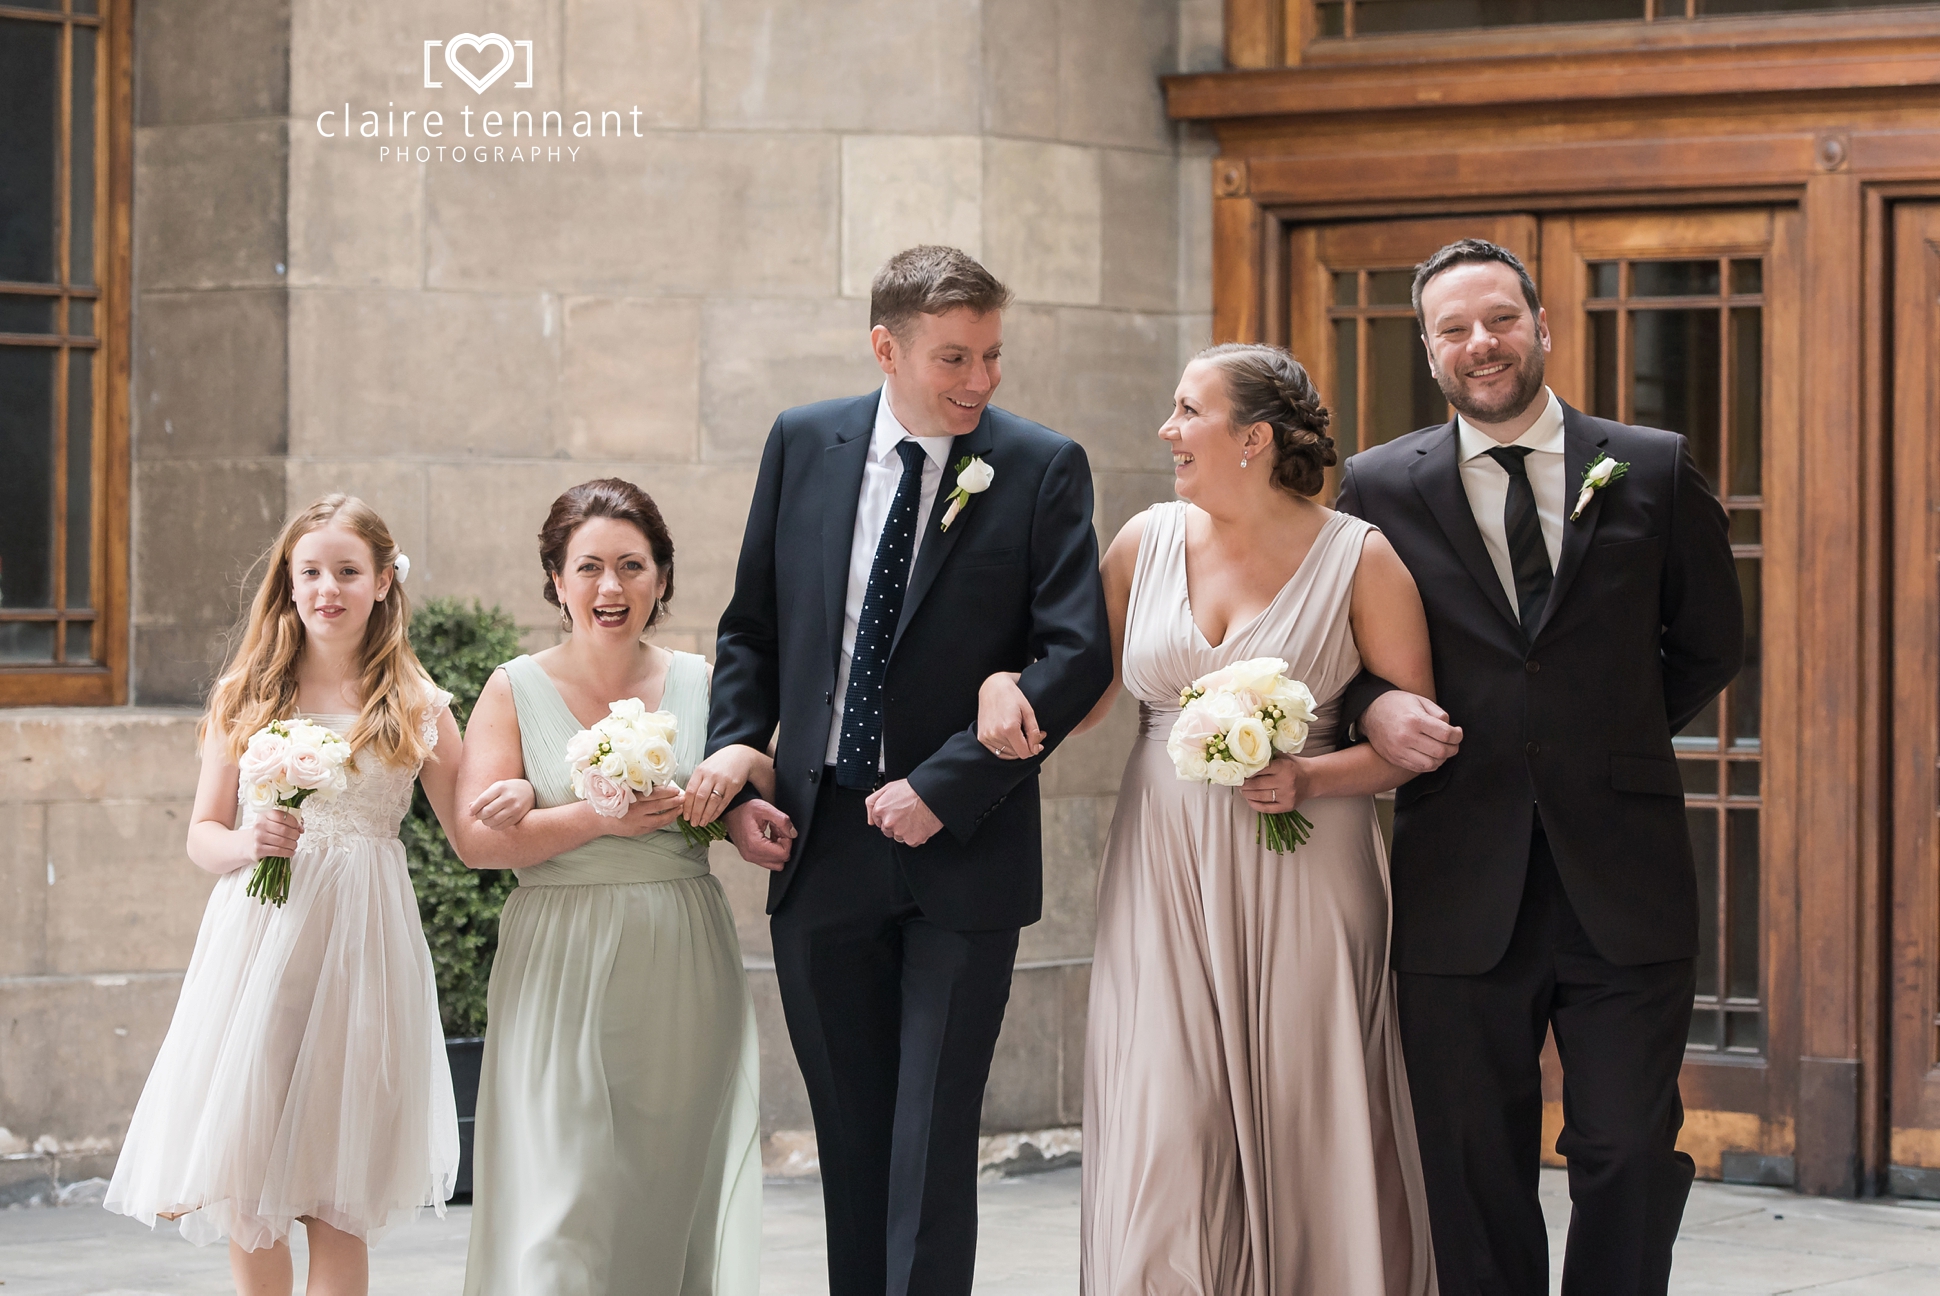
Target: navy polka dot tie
{"type": "Point", "coordinates": [860, 751]}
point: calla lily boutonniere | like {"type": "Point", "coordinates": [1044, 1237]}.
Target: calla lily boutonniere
{"type": "Point", "coordinates": [1595, 478]}
{"type": "Point", "coordinates": [973, 478]}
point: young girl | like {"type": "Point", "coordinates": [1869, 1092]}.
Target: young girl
{"type": "Point", "coordinates": [304, 1074]}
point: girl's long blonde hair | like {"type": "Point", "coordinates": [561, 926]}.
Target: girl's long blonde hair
{"type": "Point", "coordinates": [260, 685]}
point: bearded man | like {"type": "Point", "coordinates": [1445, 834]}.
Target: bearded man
{"type": "Point", "coordinates": [1583, 606]}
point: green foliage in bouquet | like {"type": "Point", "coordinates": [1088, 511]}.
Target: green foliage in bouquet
{"type": "Point", "coordinates": [461, 647]}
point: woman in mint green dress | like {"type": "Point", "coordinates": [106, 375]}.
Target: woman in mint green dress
{"type": "Point", "coordinates": [616, 1145]}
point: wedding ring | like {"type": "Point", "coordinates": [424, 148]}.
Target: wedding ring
{"type": "Point", "coordinates": [1273, 794]}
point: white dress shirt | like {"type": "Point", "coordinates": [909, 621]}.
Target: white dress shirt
{"type": "Point", "coordinates": [881, 473]}
{"type": "Point", "coordinates": [1487, 484]}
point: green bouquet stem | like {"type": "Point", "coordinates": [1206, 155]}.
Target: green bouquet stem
{"type": "Point", "coordinates": [716, 831]}
{"type": "Point", "coordinates": [270, 883]}
{"type": "Point", "coordinates": [1283, 832]}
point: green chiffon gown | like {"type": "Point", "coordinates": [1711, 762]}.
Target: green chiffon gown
{"type": "Point", "coordinates": [617, 1139]}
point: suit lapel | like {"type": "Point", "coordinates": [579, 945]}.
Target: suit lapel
{"type": "Point", "coordinates": [842, 465]}
{"type": "Point", "coordinates": [1582, 446]}
{"type": "Point", "coordinates": [1437, 474]}
{"type": "Point", "coordinates": [937, 543]}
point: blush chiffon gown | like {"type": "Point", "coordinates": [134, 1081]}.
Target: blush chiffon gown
{"type": "Point", "coordinates": [1247, 1126]}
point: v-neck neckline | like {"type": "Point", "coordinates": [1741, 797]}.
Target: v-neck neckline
{"type": "Point", "coordinates": [672, 659]}
{"type": "Point", "coordinates": [1185, 583]}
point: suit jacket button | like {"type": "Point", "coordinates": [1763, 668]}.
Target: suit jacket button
{"type": "Point", "coordinates": [1533, 748]}
{"type": "Point", "coordinates": [1532, 666]}
{"type": "Point", "coordinates": [814, 775]}
{"type": "Point", "coordinates": [828, 696]}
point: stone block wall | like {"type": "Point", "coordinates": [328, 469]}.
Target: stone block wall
{"type": "Point", "coordinates": [459, 341]}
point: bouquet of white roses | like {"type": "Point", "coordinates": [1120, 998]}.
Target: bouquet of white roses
{"type": "Point", "coordinates": [1233, 722]}
{"type": "Point", "coordinates": [286, 763]}
{"type": "Point", "coordinates": [626, 755]}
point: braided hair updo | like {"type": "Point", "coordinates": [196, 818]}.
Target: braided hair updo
{"type": "Point", "coordinates": [1267, 385]}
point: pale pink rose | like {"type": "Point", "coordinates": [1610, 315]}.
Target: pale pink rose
{"type": "Point", "coordinates": [582, 747]}
{"type": "Point", "coordinates": [308, 766]}
{"type": "Point", "coordinates": [608, 797]}
{"type": "Point", "coordinates": [265, 758]}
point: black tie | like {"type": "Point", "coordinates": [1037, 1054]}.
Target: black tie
{"type": "Point", "coordinates": [860, 751]}
{"type": "Point", "coordinates": [1528, 555]}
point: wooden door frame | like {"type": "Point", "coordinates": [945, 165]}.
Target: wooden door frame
{"type": "Point", "coordinates": [1813, 134]}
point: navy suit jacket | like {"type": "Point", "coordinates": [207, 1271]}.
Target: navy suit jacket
{"type": "Point", "coordinates": [1643, 628]}
{"type": "Point", "coordinates": [1012, 586]}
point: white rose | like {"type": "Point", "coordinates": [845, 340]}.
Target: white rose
{"type": "Point", "coordinates": [1290, 735]}
{"type": "Point", "coordinates": [581, 748]}
{"type": "Point", "coordinates": [1599, 475]}
{"type": "Point", "coordinates": [1225, 709]}
{"type": "Point", "coordinates": [975, 478]}
{"type": "Point", "coordinates": [664, 725]}
{"type": "Point", "coordinates": [608, 797]}
{"type": "Point", "coordinates": [613, 765]}
{"type": "Point", "coordinates": [1251, 745]}
{"type": "Point", "coordinates": [1225, 774]}
{"type": "Point", "coordinates": [628, 708]}
{"type": "Point", "coordinates": [259, 796]}
{"type": "Point", "coordinates": [660, 762]}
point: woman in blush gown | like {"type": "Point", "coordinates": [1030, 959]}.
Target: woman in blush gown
{"type": "Point", "coordinates": [1247, 1126]}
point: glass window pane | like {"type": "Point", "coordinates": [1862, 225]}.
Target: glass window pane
{"type": "Point", "coordinates": [1745, 1032]}
{"type": "Point", "coordinates": [26, 641]}
{"type": "Point", "coordinates": [80, 476]}
{"type": "Point", "coordinates": [1674, 376]}
{"type": "Point", "coordinates": [1748, 276]}
{"type": "Point", "coordinates": [1673, 278]}
{"type": "Point", "coordinates": [1741, 956]}
{"type": "Point", "coordinates": [1709, 8]}
{"type": "Point", "coordinates": [1391, 288]}
{"type": "Point", "coordinates": [1747, 401]}
{"type": "Point", "coordinates": [1700, 777]}
{"type": "Point", "coordinates": [80, 318]}
{"type": "Point", "coordinates": [81, 177]}
{"type": "Point", "coordinates": [1345, 291]}
{"type": "Point", "coordinates": [1603, 364]}
{"type": "Point", "coordinates": [1347, 378]}
{"type": "Point", "coordinates": [1704, 849]}
{"type": "Point", "coordinates": [1704, 1029]}
{"type": "Point", "coordinates": [26, 487]}
{"type": "Point", "coordinates": [1746, 526]}
{"type": "Point", "coordinates": [1704, 727]}
{"type": "Point", "coordinates": [1747, 691]}
{"type": "Point", "coordinates": [20, 314]}
{"type": "Point", "coordinates": [28, 148]}
{"type": "Point", "coordinates": [1333, 18]}
{"type": "Point", "coordinates": [1375, 16]}
{"type": "Point", "coordinates": [85, 6]}
{"type": "Point", "coordinates": [1603, 279]}
{"type": "Point", "coordinates": [80, 641]}
{"type": "Point", "coordinates": [1402, 394]}
{"type": "Point", "coordinates": [1742, 781]}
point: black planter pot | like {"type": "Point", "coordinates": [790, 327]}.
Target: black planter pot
{"type": "Point", "coordinates": [466, 1056]}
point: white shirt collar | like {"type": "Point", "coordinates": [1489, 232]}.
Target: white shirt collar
{"type": "Point", "coordinates": [889, 431]}
{"type": "Point", "coordinates": [1545, 434]}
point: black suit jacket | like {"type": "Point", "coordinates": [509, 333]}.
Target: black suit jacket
{"type": "Point", "coordinates": [1644, 626]}
{"type": "Point", "coordinates": [1011, 586]}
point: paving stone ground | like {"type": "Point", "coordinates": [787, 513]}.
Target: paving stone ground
{"type": "Point", "coordinates": [1735, 1242]}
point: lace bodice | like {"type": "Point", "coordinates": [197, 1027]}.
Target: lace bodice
{"type": "Point", "coordinates": [379, 793]}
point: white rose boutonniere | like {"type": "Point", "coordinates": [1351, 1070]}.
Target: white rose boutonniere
{"type": "Point", "coordinates": [1595, 478]}
{"type": "Point", "coordinates": [973, 478]}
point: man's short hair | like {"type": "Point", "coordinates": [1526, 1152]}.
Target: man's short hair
{"type": "Point", "coordinates": [931, 280]}
{"type": "Point", "coordinates": [1471, 251]}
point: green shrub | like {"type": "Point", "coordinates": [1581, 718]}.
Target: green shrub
{"type": "Point", "coordinates": [461, 647]}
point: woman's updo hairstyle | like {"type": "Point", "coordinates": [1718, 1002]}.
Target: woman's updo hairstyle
{"type": "Point", "coordinates": [1265, 384]}
{"type": "Point", "coordinates": [608, 497]}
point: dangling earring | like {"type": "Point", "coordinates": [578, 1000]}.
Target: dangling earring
{"type": "Point", "coordinates": [565, 620]}
{"type": "Point", "coordinates": [1242, 461]}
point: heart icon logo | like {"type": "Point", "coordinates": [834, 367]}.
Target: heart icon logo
{"type": "Point", "coordinates": [467, 40]}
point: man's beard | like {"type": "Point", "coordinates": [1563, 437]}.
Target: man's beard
{"type": "Point", "coordinates": [1529, 381]}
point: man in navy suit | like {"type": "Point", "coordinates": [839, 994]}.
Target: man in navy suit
{"type": "Point", "coordinates": [901, 547]}
{"type": "Point", "coordinates": [1583, 606]}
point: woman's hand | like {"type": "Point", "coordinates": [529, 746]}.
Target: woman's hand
{"type": "Point", "coordinates": [503, 804]}
{"type": "Point", "coordinates": [1278, 788]}
{"type": "Point", "coordinates": [650, 813]}
{"type": "Point", "coordinates": [273, 836]}
{"type": "Point", "coordinates": [1006, 725]}
{"type": "Point", "coordinates": [717, 781]}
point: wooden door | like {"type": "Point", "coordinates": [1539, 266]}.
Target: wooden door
{"type": "Point", "coordinates": [1689, 321]}
{"type": "Point", "coordinates": [1915, 905]}
{"type": "Point", "coordinates": [1686, 321]}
